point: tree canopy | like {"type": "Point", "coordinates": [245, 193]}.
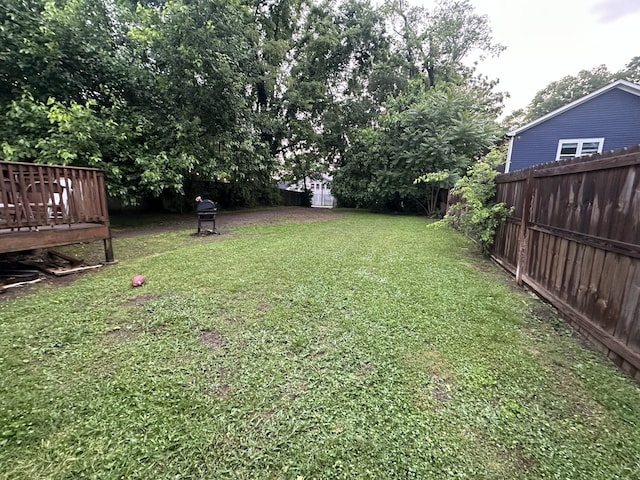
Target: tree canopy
{"type": "Point", "coordinates": [167, 94]}
{"type": "Point", "coordinates": [425, 130]}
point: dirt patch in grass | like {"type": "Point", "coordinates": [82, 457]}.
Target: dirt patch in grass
{"type": "Point", "coordinates": [440, 391]}
{"type": "Point", "coordinates": [294, 390]}
{"type": "Point", "coordinates": [433, 363]}
{"type": "Point", "coordinates": [365, 371]}
{"type": "Point", "coordinates": [525, 462]}
{"type": "Point", "coordinates": [222, 388]}
{"type": "Point", "coordinates": [212, 339]}
{"type": "Point", "coordinates": [480, 266]}
{"type": "Point", "coordinates": [141, 299]}
{"type": "Point", "coordinates": [545, 313]}
{"type": "Point", "coordinates": [118, 336]}
{"type": "Point", "coordinates": [437, 390]}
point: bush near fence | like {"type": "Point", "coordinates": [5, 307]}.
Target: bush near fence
{"type": "Point", "coordinates": [574, 238]}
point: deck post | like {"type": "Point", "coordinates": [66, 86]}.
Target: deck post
{"type": "Point", "coordinates": [108, 249]}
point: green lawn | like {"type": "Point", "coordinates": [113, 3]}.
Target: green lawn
{"type": "Point", "coordinates": [368, 346]}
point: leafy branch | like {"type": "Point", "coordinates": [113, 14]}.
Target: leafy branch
{"type": "Point", "coordinates": [476, 213]}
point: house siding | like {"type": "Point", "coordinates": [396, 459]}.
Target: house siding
{"type": "Point", "coordinates": [614, 115]}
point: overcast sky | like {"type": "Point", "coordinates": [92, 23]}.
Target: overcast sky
{"type": "Point", "coordinates": [548, 39]}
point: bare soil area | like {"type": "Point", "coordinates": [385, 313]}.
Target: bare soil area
{"type": "Point", "coordinates": [228, 219]}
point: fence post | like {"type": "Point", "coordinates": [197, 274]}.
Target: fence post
{"type": "Point", "coordinates": [523, 237]}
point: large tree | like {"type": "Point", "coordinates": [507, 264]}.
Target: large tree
{"type": "Point", "coordinates": [164, 95]}
{"type": "Point", "coordinates": [328, 92]}
{"type": "Point", "coordinates": [159, 90]}
{"type": "Point", "coordinates": [437, 123]}
{"type": "Point", "coordinates": [437, 42]}
{"type": "Point", "coordinates": [426, 130]}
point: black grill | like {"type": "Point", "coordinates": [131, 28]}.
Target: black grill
{"type": "Point", "coordinates": [207, 210]}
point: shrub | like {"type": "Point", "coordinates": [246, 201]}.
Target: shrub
{"type": "Point", "coordinates": [476, 213]}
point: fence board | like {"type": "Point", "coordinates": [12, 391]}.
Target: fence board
{"type": "Point", "coordinates": [548, 256]}
{"type": "Point", "coordinates": [604, 293]}
{"type": "Point", "coordinates": [561, 261]}
{"type": "Point", "coordinates": [619, 276]}
{"type": "Point", "coordinates": [630, 311]}
{"type": "Point", "coordinates": [534, 264]}
{"type": "Point", "coordinates": [574, 235]}
{"type": "Point", "coordinates": [572, 252]}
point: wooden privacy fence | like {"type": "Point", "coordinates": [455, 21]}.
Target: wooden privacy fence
{"type": "Point", "coordinates": [574, 238]}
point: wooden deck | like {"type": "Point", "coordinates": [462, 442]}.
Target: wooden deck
{"type": "Point", "coordinates": [44, 206]}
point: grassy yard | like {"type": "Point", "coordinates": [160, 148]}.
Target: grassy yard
{"type": "Point", "coordinates": [367, 346]}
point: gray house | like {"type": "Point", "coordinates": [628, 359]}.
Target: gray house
{"type": "Point", "coordinates": [607, 119]}
{"type": "Point", "coordinates": [320, 188]}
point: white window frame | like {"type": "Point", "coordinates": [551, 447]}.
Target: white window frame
{"type": "Point", "coordinates": [580, 142]}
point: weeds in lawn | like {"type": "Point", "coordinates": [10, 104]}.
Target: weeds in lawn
{"type": "Point", "coordinates": [365, 347]}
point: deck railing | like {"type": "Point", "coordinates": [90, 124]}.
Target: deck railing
{"type": "Point", "coordinates": [35, 196]}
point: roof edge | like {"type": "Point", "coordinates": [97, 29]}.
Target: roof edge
{"type": "Point", "coordinates": [623, 85]}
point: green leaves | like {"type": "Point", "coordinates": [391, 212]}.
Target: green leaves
{"type": "Point", "coordinates": [159, 92]}
{"type": "Point", "coordinates": [476, 213]}
{"type": "Point", "coordinates": [422, 132]}
{"type": "Point", "coordinates": [51, 132]}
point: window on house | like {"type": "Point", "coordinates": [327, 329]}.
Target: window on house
{"type": "Point", "coordinates": [579, 147]}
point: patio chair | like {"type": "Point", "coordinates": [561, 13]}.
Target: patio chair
{"type": "Point", "coordinates": [45, 201]}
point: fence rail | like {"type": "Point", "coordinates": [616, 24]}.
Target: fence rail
{"type": "Point", "coordinates": [574, 238]}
